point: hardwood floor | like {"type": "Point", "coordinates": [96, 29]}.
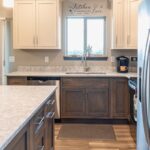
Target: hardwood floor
{"type": "Point", "coordinates": [124, 141]}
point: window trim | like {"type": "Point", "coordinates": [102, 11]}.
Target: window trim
{"type": "Point", "coordinates": [85, 35]}
{"type": "Point", "coordinates": [91, 58]}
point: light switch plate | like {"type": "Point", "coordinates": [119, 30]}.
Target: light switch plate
{"type": "Point", "coordinates": [112, 59]}
{"type": "Point", "coordinates": [11, 59]}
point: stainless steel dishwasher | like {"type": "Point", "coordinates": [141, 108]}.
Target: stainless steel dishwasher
{"type": "Point", "coordinates": [46, 81]}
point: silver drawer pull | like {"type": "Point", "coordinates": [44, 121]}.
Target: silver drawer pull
{"type": "Point", "coordinates": [42, 81]}
{"type": "Point", "coordinates": [50, 115]}
{"type": "Point", "coordinates": [39, 120]}
{"type": "Point", "coordinates": [40, 147]}
{"type": "Point", "coordinates": [51, 102]}
{"type": "Point", "coordinates": [39, 124]}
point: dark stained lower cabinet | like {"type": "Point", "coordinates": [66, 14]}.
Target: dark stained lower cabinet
{"type": "Point", "coordinates": [38, 134]}
{"type": "Point", "coordinates": [49, 124]}
{"type": "Point", "coordinates": [17, 80]}
{"type": "Point", "coordinates": [97, 103]}
{"type": "Point", "coordinates": [73, 102]}
{"type": "Point", "coordinates": [49, 132]}
{"type": "Point", "coordinates": [120, 98]}
{"type": "Point", "coordinates": [85, 98]}
{"type": "Point", "coordinates": [37, 130]}
{"type": "Point", "coordinates": [92, 98]}
{"type": "Point", "coordinates": [21, 141]}
{"type": "Point", "coordinates": [39, 141]}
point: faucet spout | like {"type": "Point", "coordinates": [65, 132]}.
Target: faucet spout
{"type": "Point", "coordinates": [86, 68]}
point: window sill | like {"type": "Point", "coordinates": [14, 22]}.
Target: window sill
{"type": "Point", "coordinates": [91, 58]}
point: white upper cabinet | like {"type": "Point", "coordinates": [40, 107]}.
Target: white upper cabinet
{"type": "Point", "coordinates": [46, 24]}
{"type": "Point", "coordinates": [132, 26]}
{"type": "Point", "coordinates": [118, 12]}
{"type": "Point", "coordinates": [125, 16]}
{"type": "Point", "coordinates": [36, 24]}
{"type": "Point", "coordinates": [24, 24]}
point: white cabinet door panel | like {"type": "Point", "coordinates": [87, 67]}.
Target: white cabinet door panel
{"type": "Point", "coordinates": [46, 16]}
{"type": "Point", "coordinates": [24, 24]}
{"type": "Point", "coordinates": [125, 15]}
{"type": "Point", "coordinates": [132, 23]}
{"type": "Point", "coordinates": [119, 23]}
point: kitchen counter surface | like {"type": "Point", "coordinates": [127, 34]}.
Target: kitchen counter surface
{"type": "Point", "coordinates": [64, 74]}
{"type": "Point", "coordinates": [18, 104]}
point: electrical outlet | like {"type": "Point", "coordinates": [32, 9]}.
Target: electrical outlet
{"type": "Point", "coordinates": [46, 59]}
{"type": "Point", "coordinates": [133, 59]}
{"type": "Point", "coordinates": [11, 59]}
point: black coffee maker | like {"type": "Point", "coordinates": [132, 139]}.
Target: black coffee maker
{"type": "Point", "coordinates": [122, 64]}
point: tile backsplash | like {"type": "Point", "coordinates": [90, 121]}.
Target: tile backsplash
{"type": "Point", "coordinates": [68, 68]}
{"type": "Point", "coordinates": [29, 60]}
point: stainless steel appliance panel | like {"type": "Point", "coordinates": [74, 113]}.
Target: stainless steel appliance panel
{"type": "Point", "coordinates": [143, 115]}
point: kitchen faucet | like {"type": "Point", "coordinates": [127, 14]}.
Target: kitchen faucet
{"type": "Point", "coordinates": [86, 68]}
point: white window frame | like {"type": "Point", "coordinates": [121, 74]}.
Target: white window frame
{"type": "Point", "coordinates": [85, 38]}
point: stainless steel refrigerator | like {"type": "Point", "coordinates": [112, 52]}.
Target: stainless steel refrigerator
{"type": "Point", "coordinates": [143, 115]}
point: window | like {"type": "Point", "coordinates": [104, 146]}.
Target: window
{"type": "Point", "coordinates": [85, 34]}
{"type": "Point", "coordinates": [8, 3]}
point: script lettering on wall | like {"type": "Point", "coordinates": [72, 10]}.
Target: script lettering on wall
{"type": "Point", "coordinates": [85, 7]}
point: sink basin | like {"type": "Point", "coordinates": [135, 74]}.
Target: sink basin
{"type": "Point", "coordinates": [85, 72]}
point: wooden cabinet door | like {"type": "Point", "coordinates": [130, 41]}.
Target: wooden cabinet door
{"type": "Point", "coordinates": [118, 16]}
{"type": "Point", "coordinates": [39, 142]}
{"type": "Point", "coordinates": [24, 24]}
{"type": "Point", "coordinates": [21, 141]}
{"type": "Point", "coordinates": [46, 24]}
{"type": "Point", "coordinates": [49, 131]}
{"type": "Point", "coordinates": [120, 98]}
{"type": "Point", "coordinates": [132, 28]}
{"type": "Point", "coordinates": [37, 130]}
{"type": "Point", "coordinates": [97, 103]}
{"type": "Point", "coordinates": [73, 103]}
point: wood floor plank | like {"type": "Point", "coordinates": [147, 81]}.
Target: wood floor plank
{"type": "Point", "coordinates": [124, 141]}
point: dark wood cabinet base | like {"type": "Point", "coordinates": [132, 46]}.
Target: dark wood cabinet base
{"type": "Point", "coordinates": [38, 133]}
{"type": "Point", "coordinates": [95, 98]}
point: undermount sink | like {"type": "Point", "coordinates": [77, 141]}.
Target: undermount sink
{"type": "Point", "coordinates": [85, 72]}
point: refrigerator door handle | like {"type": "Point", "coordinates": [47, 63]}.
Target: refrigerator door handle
{"type": "Point", "coordinates": [140, 83]}
{"type": "Point", "coordinates": [145, 81]}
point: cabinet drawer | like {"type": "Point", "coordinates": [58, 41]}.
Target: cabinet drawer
{"type": "Point", "coordinates": [17, 81]}
{"type": "Point", "coordinates": [39, 140]}
{"type": "Point", "coordinates": [50, 104]}
{"type": "Point", "coordinates": [21, 141]}
{"type": "Point", "coordinates": [38, 123]}
{"type": "Point", "coordinates": [85, 82]}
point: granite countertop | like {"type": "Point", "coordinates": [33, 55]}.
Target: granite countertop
{"type": "Point", "coordinates": [18, 104]}
{"type": "Point", "coordinates": [64, 74]}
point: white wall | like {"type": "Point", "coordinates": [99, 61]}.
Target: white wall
{"type": "Point", "coordinates": [4, 13]}
{"type": "Point", "coordinates": [1, 46]}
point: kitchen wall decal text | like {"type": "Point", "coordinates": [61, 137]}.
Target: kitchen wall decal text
{"type": "Point", "coordinates": [85, 7]}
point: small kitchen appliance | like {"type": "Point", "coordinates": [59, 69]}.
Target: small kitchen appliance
{"type": "Point", "coordinates": [122, 64]}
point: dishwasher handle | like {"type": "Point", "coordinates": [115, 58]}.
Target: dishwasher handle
{"type": "Point", "coordinates": [42, 80]}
